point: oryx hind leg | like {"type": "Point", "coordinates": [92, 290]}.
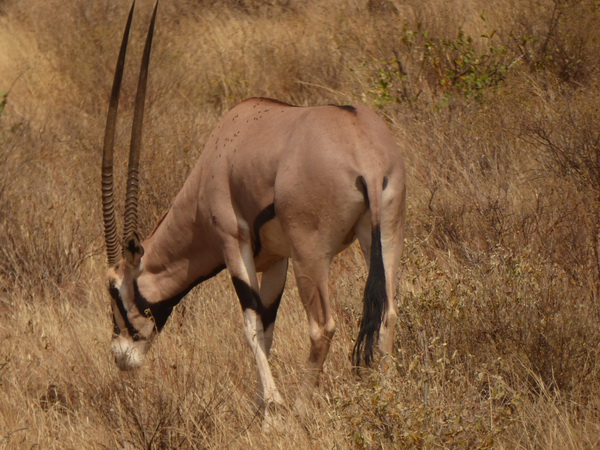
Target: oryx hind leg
{"type": "Point", "coordinates": [312, 275]}
{"type": "Point", "coordinates": [240, 262]}
{"type": "Point", "coordinates": [392, 236]}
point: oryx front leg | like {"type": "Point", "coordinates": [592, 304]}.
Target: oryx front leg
{"type": "Point", "coordinates": [240, 262]}
{"type": "Point", "coordinates": [271, 290]}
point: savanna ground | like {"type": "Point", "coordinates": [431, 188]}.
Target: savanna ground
{"type": "Point", "coordinates": [496, 107]}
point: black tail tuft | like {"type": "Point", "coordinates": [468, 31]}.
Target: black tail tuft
{"type": "Point", "coordinates": [374, 304]}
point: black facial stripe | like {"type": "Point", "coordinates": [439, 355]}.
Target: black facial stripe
{"type": "Point", "coordinates": [250, 299]}
{"type": "Point", "coordinates": [263, 217]}
{"type": "Point", "coordinates": [114, 293]}
{"type": "Point", "coordinates": [116, 329]}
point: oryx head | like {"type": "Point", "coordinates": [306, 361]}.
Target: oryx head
{"type": "Point", "coordinates": [134, 324]}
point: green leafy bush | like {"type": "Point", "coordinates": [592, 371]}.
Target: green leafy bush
{"type": "Point", "coordinates": [446, 66]}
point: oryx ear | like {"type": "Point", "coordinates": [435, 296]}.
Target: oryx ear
{"type": "Point", "coordinates": [133, 250]}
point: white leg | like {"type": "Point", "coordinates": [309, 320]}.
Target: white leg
{"type": "Point", "coordinates": [240, 262]}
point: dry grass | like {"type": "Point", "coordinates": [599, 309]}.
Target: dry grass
{"type": "Point", "coordinates": [497, 113]}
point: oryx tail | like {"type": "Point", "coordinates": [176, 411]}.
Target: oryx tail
{"type": "Point", "coordinates": [375, 295]}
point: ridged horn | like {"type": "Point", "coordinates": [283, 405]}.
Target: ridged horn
{"type": "Point", "coordinates": [131, 200]}
{"type": "Point", "coordinates": [108, 201]}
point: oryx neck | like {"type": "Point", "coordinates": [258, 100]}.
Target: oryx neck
{"type": "Point", "coordinates": [177, 256]}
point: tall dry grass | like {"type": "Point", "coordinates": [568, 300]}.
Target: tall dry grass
{"type": "Point", "coordinates": [496, 109]}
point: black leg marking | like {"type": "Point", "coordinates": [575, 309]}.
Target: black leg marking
{"type": "Point", "coordinates": [268, 315]}
{"type": "Point", "coordinates": [250, 299]}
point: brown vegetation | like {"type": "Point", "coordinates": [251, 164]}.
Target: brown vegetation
{"type": "Point", "coordinates": [497, 110]}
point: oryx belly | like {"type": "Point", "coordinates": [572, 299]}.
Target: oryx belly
{"type": "Point", "coordinates": [274, 239]}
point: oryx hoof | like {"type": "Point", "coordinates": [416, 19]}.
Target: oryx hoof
{"type": "Point", "coordinates": [274, 416]}
{"type": "Point", "coordinates": [303, 405]}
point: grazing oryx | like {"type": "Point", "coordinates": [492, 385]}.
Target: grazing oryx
{"type": "Point", "coordinates": [274, 182]}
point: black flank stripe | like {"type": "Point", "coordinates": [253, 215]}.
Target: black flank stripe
{"type": "Point", "coordinates": [263, 217]}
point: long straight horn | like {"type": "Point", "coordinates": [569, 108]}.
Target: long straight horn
{"type": "Point", "coordinates": [108, 202]}
{"type": "Point", "coordinates": [131, 201]}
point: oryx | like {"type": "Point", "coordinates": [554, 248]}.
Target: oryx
{"type": "Point", "coordinates": [274, 182]}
